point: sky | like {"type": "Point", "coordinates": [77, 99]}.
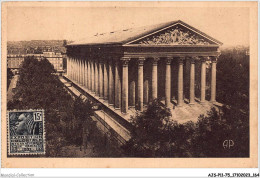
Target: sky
{"type": "Point", "coordinates": [230, 25]}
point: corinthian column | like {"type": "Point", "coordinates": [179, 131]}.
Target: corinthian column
{"type": "Point", "coordinates": [68, 70]}
{"type": "Point", "coordinates": [105, 81]}
{"type": "Point", "coordinates": [101, 78]}
{"type": "Point", "coordinates": [75, 69]}
{"type": "Point", "coordinates": [86, 74]}
{"type": "Point", "coordinates": [154, 78]}
{"type": "Point", "coordinates": [93, 75]}
{"type": "Point", "coordinates": [111, 84]}
{"type": "Point", "coordinates": [89, 74]}
{"type": "Point", "coordinates": [180, 82]}
{"type": "Point", "coordinates": [140, 83]}
{"type": "Point", "coordinates": [168, 82]}
{"type": "Point", "coordinates": [125, 61]}
{"type": "Point", "coordinates": [192, 81]}
{"type": "Point", "coordinates": [96, 77]}
{"type": "Point", "coordinates": [83, 72]}
{"type": "Point", "coordinates": [203, 80]}
{"type": "Point", "coordinates": [213, 79]}
{"type": "Point", "coordinates": [80, 71]}
{"type": "Point", "coordinates": [72, 69]}
{"type": "Point", "coordinates": [117, 85]}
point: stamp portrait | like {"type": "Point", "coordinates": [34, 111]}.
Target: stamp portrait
{"type": "Point", "coordinates": [26, 132]}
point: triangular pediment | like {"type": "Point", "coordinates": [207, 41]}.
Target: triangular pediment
{"type": "Point", "coordinates": [177, 34]}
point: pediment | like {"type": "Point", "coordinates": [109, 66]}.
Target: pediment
{"type": "Point", "coordinates": [175, 35]}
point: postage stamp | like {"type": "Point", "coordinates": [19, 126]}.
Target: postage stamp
{"type": "Point", "coordinates": [26, 134]}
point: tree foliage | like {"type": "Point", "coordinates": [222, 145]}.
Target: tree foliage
{"type": "Point", "coordinates": [39, 88]}
{"type": "Point", "coordinates": [233, 79]}
{"type": "Point", "coordinates": [9, 76]}
{"type": "Point", "coordinates": [155, 135]}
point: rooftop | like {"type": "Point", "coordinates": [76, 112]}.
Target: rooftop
{"type": "Point", "coordinates": [127, 35]}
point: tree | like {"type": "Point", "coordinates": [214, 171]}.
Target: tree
{"type": "Point", "coordinates": [151, 128]}
{"type": "Point", "coordinates": [9, 76]}
{"type": "Point", "coordinates": [211, 131]}
{"type": "Point", "coordinates": [155, 135]}
{"type": "Point", "coordinates": [64, 43]}
{"type": "Point", "coordinates": [233, 79]}
{"type": "Point", "coordinates": [38, 88]}
{"type": "Point", "coordinates": [82, 111]}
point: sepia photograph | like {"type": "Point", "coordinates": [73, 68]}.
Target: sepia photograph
{"type": "Point", "coordinates": [129, 80]}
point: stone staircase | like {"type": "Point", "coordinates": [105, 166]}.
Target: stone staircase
{"type": "Point", "coordinates": [189, 112]}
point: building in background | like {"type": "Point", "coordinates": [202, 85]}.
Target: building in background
{"type": "Point", "coordinates": [56, 59]}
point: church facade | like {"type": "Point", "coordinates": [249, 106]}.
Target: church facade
{"type": "Point", "coordinates": [126, 69]}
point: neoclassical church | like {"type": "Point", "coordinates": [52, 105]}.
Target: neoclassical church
{"type": "Point", "coordinates": [124, 70]}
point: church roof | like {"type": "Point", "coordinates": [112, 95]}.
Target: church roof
{"type": "Point", "coordinates": [127, 36]}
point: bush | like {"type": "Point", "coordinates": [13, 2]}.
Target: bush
{"type": "Point", "coordinates": [155, 135]}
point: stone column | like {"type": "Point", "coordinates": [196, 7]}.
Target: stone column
{"type": "Point", "coordinates": [86, 74]}
{"type": "Point", "coordinates": [96, 77]}
{"type": "Point", "coordinates": [132, 94]}
{"type": "Point", "coordinates": [68, 70]}
{"type": "Point", "coordinates": [93, 75]}
{"type": "Point", "coordinates": [213, 79]}
{"type": "Point", "coordinates": [74, 69]}
{"type": "Point", "coordinates": [125, 61]}
{"type": "Point", "coordinates": [111, 84]}
{"type": "Point", "coordinates": [89, 75]}
{"type": "Point", "coordinates": [68, 66]}
{"type": "Point", "coordinates": [192, 81]}
{"type": "Point", "coordinates": [180, 82]}
{"type": "Point", "coordinates": [154, 78]}
{"type": "Point", "coordinates": [168, 82]}
{"type": "Point", "coordinates": [71, 69]}
{"type": "Point", "coordinates": [79, 71]}
{"type": "Point", "coordinates": [101, 78]}
{"type": "Point", "coordinates": [146, 91]}
{"type": "Point", "coordinates": [140, 83]}
{"type": "Point", "coordinates": [117, 85]}
{"type": "Point", "coordinates": [105, 81]}
{"type": "Point", "coordinates": [83, 72]}
{"type": "Point", "coordinates": [203, 80]}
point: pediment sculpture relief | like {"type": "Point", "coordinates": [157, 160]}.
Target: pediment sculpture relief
{"type": "Point", "coordinates": [175, 36]}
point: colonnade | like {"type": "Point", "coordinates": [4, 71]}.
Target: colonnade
{"type": "Point", "coordinates": [108, 79]}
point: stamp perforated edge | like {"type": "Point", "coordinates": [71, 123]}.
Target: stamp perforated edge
{"type": "Point", "coordinates": [8, 136]}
